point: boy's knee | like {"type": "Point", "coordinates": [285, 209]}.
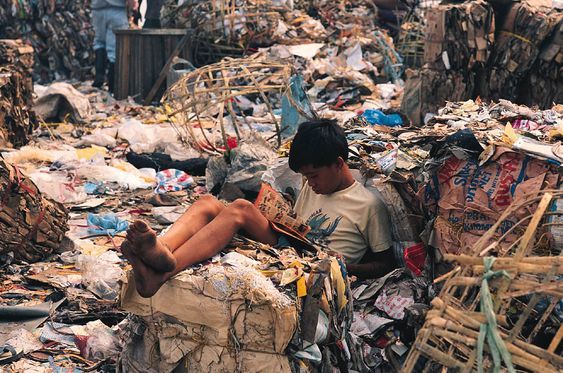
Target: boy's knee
{"type": "Point", "coordinates": [211, 204]}
{"type": "Point", "coordinates": [240, 210]}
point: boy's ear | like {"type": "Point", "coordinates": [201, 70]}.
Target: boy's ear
{"type": "Point", "coordinates": [340, 162]}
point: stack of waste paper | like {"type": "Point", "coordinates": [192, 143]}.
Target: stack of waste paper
{"type": "Point", "coordinates": [518, 43]}
{"type": "Point", "coordinates": [459, 38]}
{"type": "Point", "coordinates": [60, 32]}
{"type": "Point", "coordinates": [254, 306]}
{"type": "Point", "coordinates": [17, 120]}
{"type": "Point", "coordinates": [544, 84]}
{"type": "Point", "coordinates": [31, 225]}
{"type": "Point", "coordinates": [467, 56]}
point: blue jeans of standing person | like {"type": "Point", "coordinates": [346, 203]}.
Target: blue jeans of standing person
{"type": "Point", "coordinates": [106, 20]}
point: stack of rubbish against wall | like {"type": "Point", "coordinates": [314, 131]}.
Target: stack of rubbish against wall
{"type": "Point", "coordinates": [60, 33]}
{"type": "Point", "coordinates": [277, 309]}
{"type": "Point", "coordinates": [500, 309]}
{"type": "Point", "coordinates": [459, 38]}
{"type": "Point", "coordinates": [17, 120]}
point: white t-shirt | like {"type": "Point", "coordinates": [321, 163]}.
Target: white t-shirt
{"type": "Point", "coordinates": [348, 221]}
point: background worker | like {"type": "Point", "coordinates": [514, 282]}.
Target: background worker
{"type": "Point", "coordinates": [107, 16]}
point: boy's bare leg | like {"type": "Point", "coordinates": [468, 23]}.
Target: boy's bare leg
{"type": "Point", "coordinates": [198, 215]}
{"type": "Point", "coordinates": [207, 242]}
{"type": "Point", "coordinates": [156, 251]}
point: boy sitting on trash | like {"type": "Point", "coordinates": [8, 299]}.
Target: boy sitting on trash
{"type": "Point", "coordinates": [342, 214]}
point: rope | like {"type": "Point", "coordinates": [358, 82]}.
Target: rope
{"type": "Point", "coordinates": [489, 330]}
{"type": "Point", "coordinates": [517, 36]}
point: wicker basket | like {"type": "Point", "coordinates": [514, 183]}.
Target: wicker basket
{"type": "Point", "coordinates": [208, 98]}
{"type": "Point", "coordinates": [240, 23]}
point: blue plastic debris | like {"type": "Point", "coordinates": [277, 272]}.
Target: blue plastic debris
{"type": "Point", "coordinates": [106, 224]}
{"type": "Point", "coordinates": [374, 116]}
{"type": "Point", "coordinates": [296, 107]}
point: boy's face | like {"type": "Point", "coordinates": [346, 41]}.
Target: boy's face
{"type": "Point", "coordinates": [324, 179]}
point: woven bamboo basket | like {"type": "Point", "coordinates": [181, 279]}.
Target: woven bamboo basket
{"type": "Point", "coordinates": [217, 96]}
{"type": "Point", "coordinates": [410, 41]}
{"type": "Point", "coordinates": [240, 23]}
{"type": "Point", "coordinates": [500, 312]}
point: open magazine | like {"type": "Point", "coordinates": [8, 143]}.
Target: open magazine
{"type": "Point", "coordinates": [282, 217]}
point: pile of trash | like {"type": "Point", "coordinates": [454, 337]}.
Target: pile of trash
{"type": "Point", "coordinates": [17, 120]}
{"type": "Point", "coordinates": [60, 33]}
{"type": "Point", "coordinates": [341, 48]}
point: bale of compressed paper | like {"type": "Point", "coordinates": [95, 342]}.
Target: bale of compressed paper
{"type": "Point", "coordinates": [470, 195]}
{"type": "Point", "coordinates": [167, 345]}
{"type": "Point", "coordinates": [254, 308]}
{"type": "Point", "coordinates": [60, 32]}
{"type": "Point", "coordinates": [31, 225]}
{"type": "Point", "coordinates": [428, 89]}
{"type": "Point", "coordinates": [459, 36]}
{"type": "Point", "coordinates": [17, 120]}
{"type": "Point", "coordinates": [239, 303]}
{"type": "Point", "coordinates": [544, 85]}
{"type": "Point", "coordinates": [517, 45]}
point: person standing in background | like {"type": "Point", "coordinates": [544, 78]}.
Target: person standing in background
{"type": "Point", "coordinates": [108, 15]}
{"type": "Point", "coordinates": [152, 15]}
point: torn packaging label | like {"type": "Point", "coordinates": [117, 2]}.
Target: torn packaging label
{"type": "Point", "coordinates": [468, 198]}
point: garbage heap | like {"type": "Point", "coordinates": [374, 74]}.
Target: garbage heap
{"type": "Point", "coordinates": [59, 31]}
{"type": "Point", "coordinates": [501, 306]}
{"type": "Point", "coordinates": [255, 306]}
{"type": "Point", "coordinates": [340, 41]}
{"type": "Point", "coordinates": [467, 56]}
{"type": "Point", "coordinates": [17, 120]}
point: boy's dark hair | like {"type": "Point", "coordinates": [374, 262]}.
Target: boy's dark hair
{"type": "Point", "coordinates": [318, 143]}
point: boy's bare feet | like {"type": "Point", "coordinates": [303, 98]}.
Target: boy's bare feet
{"type": "Point", "coordinates": [145, 245]}
{"type": "Point", "coordinates": [147, 280]}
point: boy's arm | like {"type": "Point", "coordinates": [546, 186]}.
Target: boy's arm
{"type": "Point", "coordinates": [373, 265]}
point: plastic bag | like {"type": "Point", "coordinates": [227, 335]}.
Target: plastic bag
{"type": "Point", "coordinates": [101, 274]}
{"type": "Point", "coordinates": [106, 224]}
{"type": "Point", "coordinates": [58, 187]}
{"type": "Point", "coordinates": [102, 341]}
{"type": "Point", "coordinates": [378, 117]}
